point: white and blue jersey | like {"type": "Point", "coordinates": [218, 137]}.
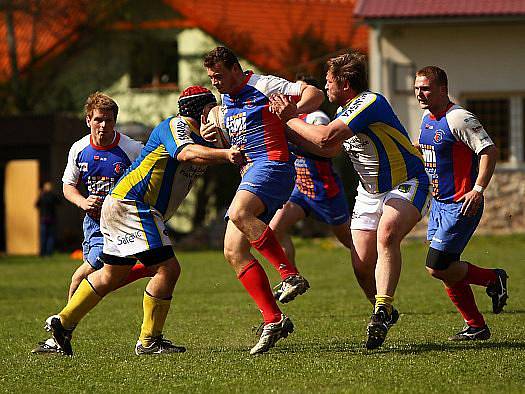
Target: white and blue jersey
{"type": "Point", "coordinates": [98, 169]}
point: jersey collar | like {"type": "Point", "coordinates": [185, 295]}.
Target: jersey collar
{"type": "Point", "coordinates": [116, 140]}
{"type": "Point", "coordinates": [441, 114]}
{"type": "Point", "coordinates": [243, 84]}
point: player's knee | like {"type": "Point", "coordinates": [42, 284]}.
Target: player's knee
{"type": "Point", "coordinates": [439, 261]}
{"type": "Point", "coordinates": [388, 238]}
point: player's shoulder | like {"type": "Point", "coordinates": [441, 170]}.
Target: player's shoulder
{"type": "Point", "coordinates": [361, 102]}
{"type": "Point", "coordinates": [81, 144]}
{"type": "Point", "coordinates": [460, 118]}
{"type": "Point", "coordinates": [128, 144]}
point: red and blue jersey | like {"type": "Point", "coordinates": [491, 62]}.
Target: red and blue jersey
{"type": "Point", "coordinates": [316, 178]}
{"type": "Point", "coordinates": [98, 168]}
{"type": "Point", "coordinates": [450, 144]}
{"type": "Point", "coordinates": [249, 123]}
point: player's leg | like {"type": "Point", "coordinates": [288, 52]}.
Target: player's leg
{"type": "Point", "coordinates": [254, 279]}
{"type": "Point", "coordinates": [157, 301]}
{"type": "Point", "coordinates": [244, 212]}
{"type": "Point", "coordinates": [284, 219]}
{"type": "Point", "coordinates": [364, 258]}
{"type": "Point", "coordinates": [79, 275]}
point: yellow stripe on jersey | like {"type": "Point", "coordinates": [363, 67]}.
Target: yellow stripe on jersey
{"type": "Point", "coordinates": [141, 225]}
{"type": "Point", "coordinates": [398, 169]}
{"type": "Point", "coordinates": [350, 116]}
{"type": "Point", "coordinates": [403, 141]}
{"type": "Point", "coordinates": [157, 175]}
{"type": "Point", "coordinates": [191, 125]}
{"type": "Point", "coordinates": [140, 172]}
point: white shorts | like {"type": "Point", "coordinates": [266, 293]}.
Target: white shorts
{"type": "Point", "coordinates": [130, 227]}
{"type": "Point", "coordinates": [368, 207]}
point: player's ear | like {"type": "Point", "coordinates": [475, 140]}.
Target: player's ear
{"type": "Point", "coordinates": [88, 120]}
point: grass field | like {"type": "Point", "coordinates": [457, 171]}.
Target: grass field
{"type": "Point", "coordinates": [212, 316]}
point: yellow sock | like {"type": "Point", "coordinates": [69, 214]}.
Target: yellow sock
{"type": "Point", "coordinates": [79, 305]}
{"type": "Point", "coordinates": [384, 301]}
{"type": "Point", "coordinates": [155, 313]}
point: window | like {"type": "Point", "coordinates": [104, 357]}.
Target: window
{"type": "Point", "coordinates": [154, 64]}
{"type": "Point", "coordinates": [494, 115]}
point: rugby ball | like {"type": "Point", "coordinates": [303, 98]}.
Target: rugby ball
{"type": "Point", "coordinates": [216, 116]}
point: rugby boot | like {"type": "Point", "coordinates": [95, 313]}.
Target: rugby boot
{"type": "Point", "coordinates": [61, 335]}
{"type": "Point", "coordinates": [378, 327]}
{"type": "Point", "coordinates": [469, 333]}
{"type": "Point", "coordinates": [291, 287]}
{"type": "Point", "coordinates": [48, 346]}
{"type": "Point", "coordinates": [271, 333]}
{"type": "Point", "coordinates": [160, 345]}
{"type": "Point", "coordinates": [498, 291]}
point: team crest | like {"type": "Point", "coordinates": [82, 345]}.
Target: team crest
{"type": "Point", "coordinates": [438, 137]}
{"type": "Point", "coordinates": [119, 168]}
{"type": "Point", "coordinates": [250, 103]}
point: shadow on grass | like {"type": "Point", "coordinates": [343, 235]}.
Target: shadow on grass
{"type": "Point", "coordinates": [419, 348]}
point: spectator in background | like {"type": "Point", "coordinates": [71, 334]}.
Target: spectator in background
{"type": "Point", "coordinates": [46, 204]}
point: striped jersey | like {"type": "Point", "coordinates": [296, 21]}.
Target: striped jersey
{"type": "Point", "coordinates": [99, 167]}
{"type": "Point", "coordinates": [450, 144]}
{"type": "Point", "coordinates": [251, 126]}
{"type": "Point", "coordinates": [380, 149]}
{"type": "Point", "coordinates": [316, 177]}
{"type": "Point", "coordinates": [157, 178]}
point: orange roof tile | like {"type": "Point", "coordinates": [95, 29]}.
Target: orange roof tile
{"type": "Point", "coordinates": [261, 31]}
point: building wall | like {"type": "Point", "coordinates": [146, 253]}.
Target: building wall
{"type": "Point", "coordinates": [481, 60]}
{"type": "Point", "coordinates": [478, 58]}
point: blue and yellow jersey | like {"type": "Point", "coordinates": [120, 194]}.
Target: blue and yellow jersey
{"type": "Point", "coordinates": [380, 149]}
{"type": "Point", "coordinates": [157, 178]}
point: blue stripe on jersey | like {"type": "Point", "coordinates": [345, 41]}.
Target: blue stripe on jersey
{"type": "Point", "coordinates": [163, 198]}
{"type": "Point", "coordinates": [148, 225]}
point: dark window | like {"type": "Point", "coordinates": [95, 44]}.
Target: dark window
{"type": "Point", "coordinates": [494, 115]}
{"type": "Point", "coordinates": [154, 64]}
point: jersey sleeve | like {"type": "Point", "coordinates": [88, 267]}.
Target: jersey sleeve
{"type": "Point", "coordinates": [466, 127]}
{"type": "Point", "coordinates": [72, 171]}
{"type": "Point", "coordinates": [359, 114]}
{"type": "Point", "coordinates": [175, 136]}
{"type": "Point", "coordinates": [270, 84]}
{"type": "Point", "coordinates": [131, 147]}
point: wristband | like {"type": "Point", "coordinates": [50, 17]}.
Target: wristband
{"type": "Point", "coordinates": [478, 188]}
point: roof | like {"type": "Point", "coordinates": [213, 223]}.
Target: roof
{"type": "Point", "coordinates": [386, 9]}
{"type": "Point", "coordinates": [50, 32]}
{"type": "Point", "coordinates": [264, 35]}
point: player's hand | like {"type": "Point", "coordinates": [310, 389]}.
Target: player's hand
{"type": "Point", "coordinates": [208, 130]}
{"type": "Point", "coordinates": [283, 107]}
{"type": "Point", "coordinates": [471, 202]}
{"type": "Point", "coordinates": [92, 203]}
{"type": "Point", "coordinates": [236, 156]}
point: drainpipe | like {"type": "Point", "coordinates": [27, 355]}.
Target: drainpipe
{"type": "Point", "coordinates": [377, 55]}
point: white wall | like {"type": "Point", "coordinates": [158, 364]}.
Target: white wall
{"type": "Point", "coordinates": [478, 58]}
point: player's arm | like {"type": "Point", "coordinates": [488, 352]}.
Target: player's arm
{"type": "Point", "coordinates": [73, 195]}
{"type": "Point", "coordinates": [487, 164]}
{"type": "Point", "coordinates": [202, 155]}
{"type": "Point", "coordinates": [326, 140]}
{"type": "Point", "coordinates": [311, 99]}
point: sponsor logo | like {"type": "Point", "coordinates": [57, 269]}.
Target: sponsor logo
{"type": "Point", "coordinates": [128, 238]}
{"type": "Point", "coordinates": [438, 137]}
{"type": "Point", "coordinates": [429, 127]}
{"type": "Point", "coordinates": [477, 129]}
{"type": "Point", "coordinates": [236, 127]}
{"type": "Point", "coordinates": [83, 166]}
{"type": "Point", "coordinates": [404, 188]}
{"type": "Point", "coordinates": [250, 103]}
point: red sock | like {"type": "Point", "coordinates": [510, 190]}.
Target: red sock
{"type": "Point", "coordinates": [461, 295]}
{"type": "Point", "coordinates": [255, 281]}
{"type": "Point", "coordinates": [271, 249]}
{"type": "Point", "coordinates": [480, 276]}
{"type": "Point", "coordinates": [138, 271]}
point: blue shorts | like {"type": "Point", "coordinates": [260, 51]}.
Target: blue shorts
{"type": "Point", "coordinates": [93, 243]}
{"type": "Point", "coordinates": [272, 182]}
{"type": "Point", "coordinates": [448, 229]}
{"type": "Point", "coordinates": [333, 211]}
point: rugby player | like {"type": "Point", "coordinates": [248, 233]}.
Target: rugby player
{"type": "Point", "coordinates": [132, 222]}
{"type": "Point", "coordinates": [460, 158]}
{"type": "Point", "coordinates": [96, 162]}
{"type": "Point", "coordinates": [266, 184]}
{"type": "Point", "coordinates": [394, 190]}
